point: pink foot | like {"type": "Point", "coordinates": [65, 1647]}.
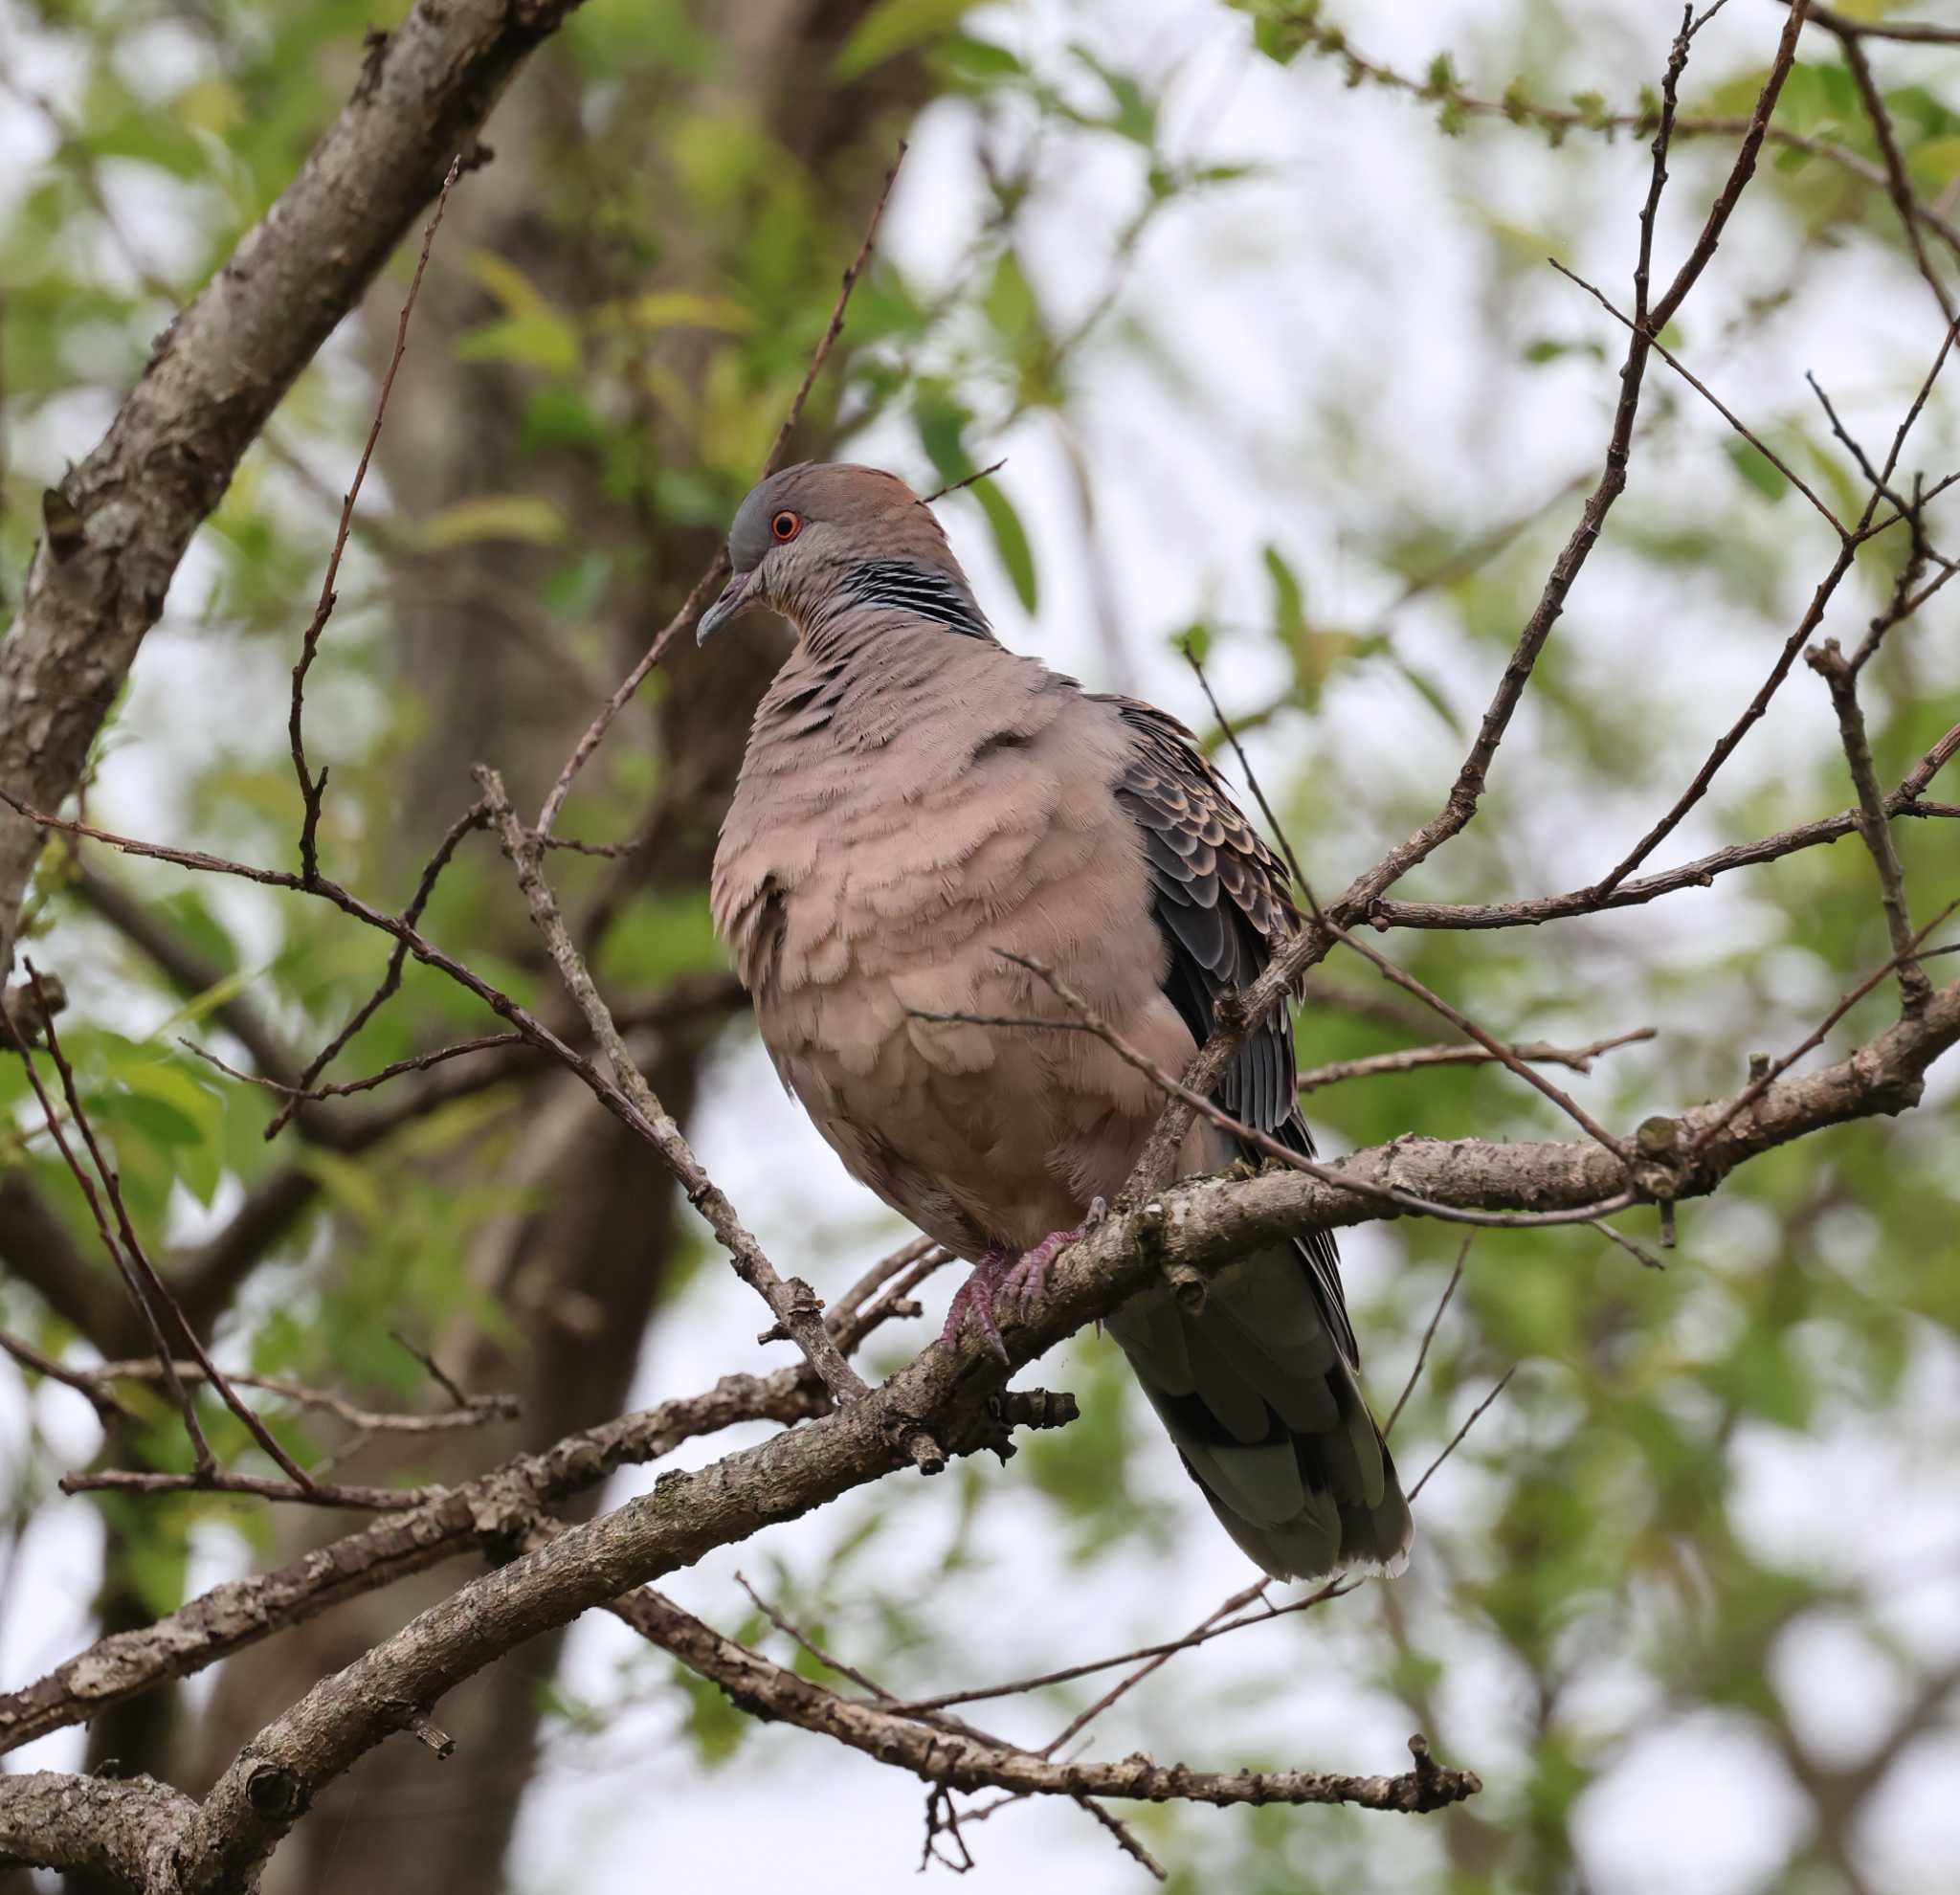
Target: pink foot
{"type": "Point", "coordinates": [1025, 1276]}
{"type": "Point", "coordinates": [976, 1296]}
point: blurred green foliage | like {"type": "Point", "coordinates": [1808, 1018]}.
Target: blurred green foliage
{"type": "Point", "coordinates": [1597, 1529]}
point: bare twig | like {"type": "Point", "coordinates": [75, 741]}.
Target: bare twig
{"type": "Point", "coordinates": [1829, 662]}
{"type": "Point", "coordinates": [473, 819]}
{"type": "Point", "coordinates": [1898, 183]}
{"type": "Point", "coordinates": [1707, 394]}
{"type": "Point", "coordinates": [85, 1382]}
{"type": "Point", "coordinates": [798, 1636]}
{"type": "Point", "coordinates": [1455, 1440]}
{"type": "Point", "coordinates": [125, 1263]}
{"type": "Point", "coordinates": [1503, 1055]}
{"type": "Point", "coordinates": [1429, 1336]}
{"type": "Point", "coordinates": [1083, 1019]}
{"type": "Point", "coordinates": [954, 1760]}
{"type": "Point", "coordinates": [470, 1411]}
{"type": "Point", "coordinates": [1725, 745]}
{"type": "Point", "coordinates": [967, 480]}
{"type": "Point", "coordinates": [1701, 872]}
{"type": "Point", "coordinates": [1927, 768]}
{"type": "Point", "coordinates": [794, 1305]}
{"type": "Point", "coordinates": [1719, 1122]}
{"type": "Point", "coordinates": [154, 1293]}
{"type": "Point", "coordinates": [312, 789]}
{"type": "Point", "coordinates": [1638, 1250]}
{"type": "Point", "coordinates": [706, 586]}
{"type": "Point", "coordinates": [312, 1493]}
{"type": "Point", "coordinates": [434, 1371]}
{"type": "Point", "coordinates": [419, 1063]}
{"type": "Point", "coordinates": [1418, 1059]}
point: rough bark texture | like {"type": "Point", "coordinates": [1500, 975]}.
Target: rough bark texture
{"type": "Point", "coordinates": [97, 584]}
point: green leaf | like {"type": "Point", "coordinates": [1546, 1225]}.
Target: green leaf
{"type": "Point", "coordinates": [687, 309]}
{"type": "Point", "coordinates": [1936, 163]}
{"type": "Point", "coordinates": [1758, 469]}
{"type": "Point", "coordinates": [1289, 597]}
{"type": "Point", "coordinates": [893, 27]}
{"type": "Point", "coordinates": [542, 340]}
{"type": "Point", "coordinates": [157, 1119]}
{"type": "Point", "coordinates": [514, 291]}
{"type": "Point", "coordinates": [1009, 541]}
{"type": "Point", "coordinates": [977, 61]}
{"type": "Point", "coordinates": [558, 417]}
{"type": "Point", "coordinates": [1426, 688]}
{"type": "Point", "coordinates": [574, 591]}
{"type": "Point", "coordinates": [527, 517]}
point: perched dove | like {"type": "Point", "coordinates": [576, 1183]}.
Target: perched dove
{"type": "Point", "coordinates": [917, 798]}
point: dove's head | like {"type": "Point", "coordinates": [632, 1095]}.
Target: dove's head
{"type": "Point", "coordinates": [824, 541]}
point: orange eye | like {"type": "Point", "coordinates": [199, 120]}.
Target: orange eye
{"type": "Point", "coordinates": [786, 525]}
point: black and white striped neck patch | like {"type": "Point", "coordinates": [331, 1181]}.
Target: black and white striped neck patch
{"type": "Point", "coordinates": [897, 584]}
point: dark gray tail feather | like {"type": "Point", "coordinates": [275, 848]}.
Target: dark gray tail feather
{"type": "Point", "coordinates": [1265, 1412]}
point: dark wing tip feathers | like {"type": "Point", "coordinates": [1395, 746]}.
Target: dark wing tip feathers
{"type": "Point", "coordinates": [1223, 905]}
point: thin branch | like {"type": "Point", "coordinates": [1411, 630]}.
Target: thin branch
{"type": "Point", "coordinates": [475, 818]}
{"type": "Point", "coordinates": [1083, 1019]}
{"type": "Point", "coordinates": [1638, 1250]}
{"type": "Point", "coordinates": [1505, 1055]}
{"type": "Point", "coordinates": [125, 1266]}
{"type": "Point", "coordinates": [1898, 183]}
{"type": "Point", "coordinates": [958, 1761]}
{"type": "Point", "coordinates": [1455, 1440]}
{"type": "Point", "coordinates": [1206, 1629]}
{"type": "Point", "coordinates": [964, 481]}
{"type": "Point", "coordinates": [1701, 872]}
{"type": "Point", "coordinates": [1759, 1086]}
{"type": "Point", "coordinates": [87, 1384]}
{"type": "Point", "coordinates": [470, 1411]}
{"type": "Point", "coordinates": [1907, 32]}
{"type": "Point", "coordinates": [1927, 768]}
{"type": "Point", "coordinates": [419, 1063]}
{"type": "Point", "coordinates": [187, 971]}
{"type": "Point", "coordinates": [1429, 1336]}
{"type": "Point", "coordinates": [312, 789]}
{"type": "Point", "coordinates": [1829, 662]}
{"type": "Point", "coordinates": [1418, 1059]}
{"type": "Point", "coordinates": [311, 1493]}
{"type": "Point", "coordinates": [1312, 943]}
{"type": "Point", "coordinates": [1725, 746]}
{"type": "Point", "coordinates": [706, 586]}
{"type": "Point", "coordinates": [804, 1641]}
{"type": "Point", "coordinates": [1715, 401]}
{"type": "Point", "coordinates": [794, 1305]}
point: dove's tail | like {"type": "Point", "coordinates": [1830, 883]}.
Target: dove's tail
{"type": "Point", "coordinates": [1260, 1397]}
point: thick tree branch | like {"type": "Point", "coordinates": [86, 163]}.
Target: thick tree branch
{"type": "Point", "coordinates": [128, 1831]}
{"type": "Point", "coordinates": [962, 1759]}
{"type": "Point", "coordinates": [128, 510]}
{"type": "Point", "coordinates": [1191, 1231]}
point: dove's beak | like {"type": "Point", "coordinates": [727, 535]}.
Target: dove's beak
{"type": "Point", "coordinates": [734, 596]}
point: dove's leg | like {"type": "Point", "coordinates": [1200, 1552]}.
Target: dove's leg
{"type": "Point", "coordinates": [1026, 1275]}
{"type": "Point", "coordinates": [976, 1296]}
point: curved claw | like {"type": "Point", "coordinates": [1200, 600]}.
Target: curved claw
{"type": "Point", "coordinates": [975, 1295]}
{"type": "Point", "coordinates": [1025, 1276]}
